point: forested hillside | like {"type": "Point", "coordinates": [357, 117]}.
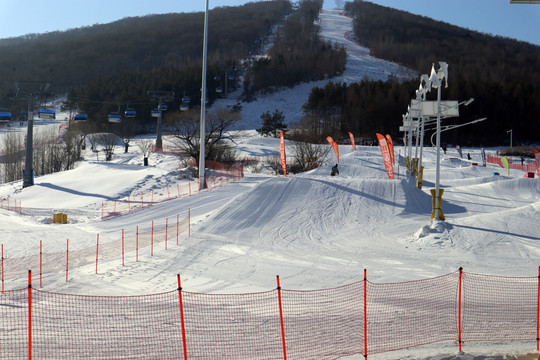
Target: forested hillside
{"type": "Point", "coordinates": [107, 68]}
{"type": "Point", "coordinates": [133, 46]}
{"type": "Point", "coordinates": [501, 74]}
{"type": "Point", "coordinates": [297, 54]}
{"type": "Point", "coordinates": [111, 67]}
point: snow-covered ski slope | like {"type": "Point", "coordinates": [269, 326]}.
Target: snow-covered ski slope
{"type": "Point", "coordinates": [336, 28]}
{"type": "Point", "coordinates": [314, 230]}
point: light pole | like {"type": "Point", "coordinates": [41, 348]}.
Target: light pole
{"type": "Point", "coordinates": [202, 130]}
{"type": "Point", "coordinates": [28, 174]}
{"type": "Point", "coordinates": [409, 121]}
{"type": "Point", "coordinates": [421, 95]}
{"type": "Point", "coordinates": [510, 131]}
{"type": "Point", "coordinates": [451, 127]}
{"type": "Point", "coordinates": [436, 79]}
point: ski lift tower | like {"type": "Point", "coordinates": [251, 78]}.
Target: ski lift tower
{"type": "Point", "coordinates": [30, 90]}
{"type": "Point", "coordinates": [160, 97]}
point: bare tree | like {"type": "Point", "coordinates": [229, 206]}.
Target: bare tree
{"type": "Point", "coordinates": [12, 155]}
{"type": "Point", "coordinates": [274, 163]}
{"type": "Point", "coordinates": [126, 131]}
{"type": "Point", "coordinates": [93, 139]}
{"type": "Point", "coordinates": [108, 141]}
{"type": "Point", "coordinates": [74, 138]}
{"type": "Point", "coordinates": [309, 156]}
{"type": "Point", "coordinates": [146, 147]}
{"type": "Point", "coordinates": [48, 154]}
{"type": "Point", "coordinates": [184, 126]}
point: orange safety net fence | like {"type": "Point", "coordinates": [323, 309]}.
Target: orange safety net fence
{"type": "Point", "coordinates": [497, 308]}
{"type": "Point", "coordinates": [361, 318]}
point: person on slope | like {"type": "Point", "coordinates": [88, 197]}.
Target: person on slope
{"type": "Point", "coordinates": [335, 170]}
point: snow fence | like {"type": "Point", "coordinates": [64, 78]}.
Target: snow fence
{"type": "Point", "coordinates": [360, 318]}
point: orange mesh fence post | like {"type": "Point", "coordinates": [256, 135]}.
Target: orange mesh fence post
{"type": "Point", "coordinates": [182, 317]}
{"type": "Point", "coordinates": [40, 263]}
{"type": "Point", "coordinates": [122, 247]}
{"type": "Point", "coordinates": [538, 313]}
{"type": "Point", "coordinates": [281, 319]}
{"type": "Point", "coordinates": [365, 313]}
{"type": "Point", "coordinates": [2, 268]}
{"type": "Point", "coordinates": [97, 251]}
{"type": "Point", "coordinates": [29, 314]}
{"type": "Point", "coordinates": [67, 258]}
{"type": "Point", "coordinates": [492, 303]}
{"type": "Point", "coordinates": [459, 305]}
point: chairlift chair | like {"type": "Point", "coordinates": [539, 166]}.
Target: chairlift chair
{"type": "Point", "coordinates": [156, 113]}
{"type": "Point", "coordinates": [130, 113]}
{"type": "Point", "coordinates": [47, 114]}
{"type": "Point", "coordinates": [184, 107]}
{"type": "Point", "coordinates": [115, 117]}
{"type": "Point", "coordinates": [5, 116]}
{"type": "Point", "coordinates": [80, 116]}
{"type": "Point", "coordinates": [164, 107]}
{"type": "Point", "coordinates": [186, 99]}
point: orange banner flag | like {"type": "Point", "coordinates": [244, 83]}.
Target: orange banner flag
{"type": "Point", "coordinates": [352, 140]}
{"type": "Point", "coordinates": [385, 150]}
{"type": "Point", "coordinates": [390, 146]}
{"type": "Point", "coordinates": [334, 146]}
{"type": "Point", "coordinates": [330, 140]}
{"type": "Point", "coordinates": [282, 153]}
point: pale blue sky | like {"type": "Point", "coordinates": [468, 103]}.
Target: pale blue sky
{"type": "Point", "coordinates": [497, 17]}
